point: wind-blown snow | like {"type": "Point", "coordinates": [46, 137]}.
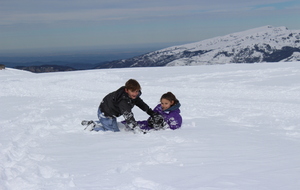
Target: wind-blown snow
{"type": "Point", "coordinates": [241, 130]}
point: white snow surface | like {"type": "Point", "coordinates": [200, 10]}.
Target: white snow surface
{"type": "Point", "coordinates": [241, 130]}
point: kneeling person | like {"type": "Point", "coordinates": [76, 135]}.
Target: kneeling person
{"type": "Point", "coordinates": [121, 102]}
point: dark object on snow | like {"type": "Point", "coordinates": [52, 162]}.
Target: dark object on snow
{"type": "Point", "coordinates": [2, 66]}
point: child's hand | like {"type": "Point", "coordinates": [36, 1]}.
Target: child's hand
{"type": "Point", "coordinates": [157, 118]}
{"type": "Point", "coordinates": [156, 121]}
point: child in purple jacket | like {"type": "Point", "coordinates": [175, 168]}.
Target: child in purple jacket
{"type": "Point", "coordinates": [169, 109]}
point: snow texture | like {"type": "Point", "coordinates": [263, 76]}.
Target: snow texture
{"type": "Point", "coordinates": [241, 130]}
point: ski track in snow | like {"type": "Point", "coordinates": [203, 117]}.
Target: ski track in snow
{"type": "Point", "coordinates": [241, 130]}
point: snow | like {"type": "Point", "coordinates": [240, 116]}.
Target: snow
{"type": "Point", "coordinates": [240, 130]}
{"type": "Point", "coordinates": [265, 34]}
{"type": "Point", "coordinates": [254, 44]}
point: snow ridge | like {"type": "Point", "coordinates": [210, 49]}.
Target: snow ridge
{"type": "Point", "coordinates": [263, 44]}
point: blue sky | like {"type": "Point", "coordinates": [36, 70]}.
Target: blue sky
{"type": "Point", "coordinates": [71, 24]}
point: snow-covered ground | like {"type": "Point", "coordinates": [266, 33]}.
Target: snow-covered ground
{"type": "Point", "coordinates": [241, 130]}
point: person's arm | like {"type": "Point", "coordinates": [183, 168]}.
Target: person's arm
{"type": "Point", "coordinates": [143, 106]}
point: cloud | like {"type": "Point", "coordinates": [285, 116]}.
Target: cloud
{"type": "Point", "coordinates": [277, 5]}
{"type": "Point", "coordinates": [32, 11]}
{"type": "Point", "coordinates": [93, 14]}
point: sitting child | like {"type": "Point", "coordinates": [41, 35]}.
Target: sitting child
{"type": "Point", "coordinates": [169, 110]}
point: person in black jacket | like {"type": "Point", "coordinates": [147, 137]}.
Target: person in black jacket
{"type": "Point", "coordinates": [121, 102]}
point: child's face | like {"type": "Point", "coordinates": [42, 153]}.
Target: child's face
{"type": "Point", "coordinates": [132, 93]}
{"type": "Point", "coordinates": [165, 104]}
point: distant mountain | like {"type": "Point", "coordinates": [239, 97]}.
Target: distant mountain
{"type": "Point", "coordinates": [45, 68]}
{"type": "Point", "coordinates": [75, 65]}
{"type": "Point", "coordinates": [263, 44]}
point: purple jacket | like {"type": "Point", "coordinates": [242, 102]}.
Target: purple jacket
{"type": "Point", "coordinates": [171, 116]}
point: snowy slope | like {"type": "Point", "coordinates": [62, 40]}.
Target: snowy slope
{"type": "Point", "coordinates": [254, 45]}
{"type": "Point", "coordinates": [241, 130]}
{"type": "Point", "coordinates": [263, 44]}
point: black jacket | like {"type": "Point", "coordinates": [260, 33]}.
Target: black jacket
{"type": "Point", "coordinates": [118, 103]}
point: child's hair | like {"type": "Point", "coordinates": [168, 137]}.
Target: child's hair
{"type": "Point", "coordinates": [170, 96]}
{"type": "Point", "coordinates": [132, 85]}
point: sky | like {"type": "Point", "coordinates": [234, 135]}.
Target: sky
{"type": "Point", "coordinates": [75, 24]}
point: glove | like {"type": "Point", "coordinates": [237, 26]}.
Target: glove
{"type": "Point", "coordinates": [156, 121]}
{"type": "Point", "coordinates": [157, 118]}
{"type": "Point", "coordinates": [150, 112]}
{"type": "Point", "coordinates": [130, 121]}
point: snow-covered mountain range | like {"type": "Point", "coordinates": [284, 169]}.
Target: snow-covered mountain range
{"type": "Point", "coordinates": [263, 44]}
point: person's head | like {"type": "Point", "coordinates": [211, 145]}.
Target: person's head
{"type": "Point", "coordinates": [132, 88]}
{"type": "Point", "coordinates": [167, 100]}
